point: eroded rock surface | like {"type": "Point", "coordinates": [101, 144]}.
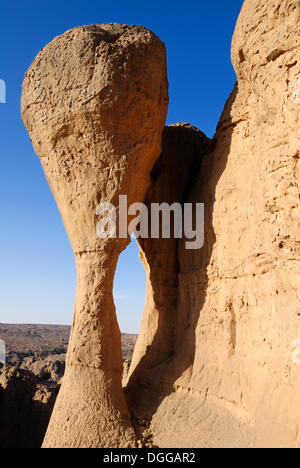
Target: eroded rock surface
{"type": "Point", "coordinates": [231, 380]}
{"type": "Point", "coordinates": [172, 178]}
{"type": "Point", "coordinates": [94, 102]}
{"type": "Point", "coordinates": [213, 365]}
{"type": "Point", "coordinates": [50, 368]}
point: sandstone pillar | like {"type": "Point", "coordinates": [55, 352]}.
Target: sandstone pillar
{"type": "Point", "coordinates": [94, 103]}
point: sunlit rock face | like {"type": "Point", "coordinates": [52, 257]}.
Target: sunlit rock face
{"type": "Point", "coordinates": [215, 363]}
{"type": "Point", "coordinates": [94, 102]}
{"type": "Point", "coordinates": [228, 372]}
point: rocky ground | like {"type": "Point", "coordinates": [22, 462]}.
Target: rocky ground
{"type": "Point", "coordinates": [42, 349]}
{"type": "Point", "coordinates": [30, 380]}
{"type": "Point", "coordinates": [26, 404]}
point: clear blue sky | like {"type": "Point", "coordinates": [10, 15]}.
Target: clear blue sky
{"type": "Point", "coordinates": [37, 273]}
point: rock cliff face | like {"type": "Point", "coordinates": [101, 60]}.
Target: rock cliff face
{"type": "Point", "coordinates": [212, 366]}
{"type": "Point", "coordinates": [172, 178]}
{"type": "Point", "coordinates": [230, 379]}
{"type": "Point", "coordinates": [94, 102]}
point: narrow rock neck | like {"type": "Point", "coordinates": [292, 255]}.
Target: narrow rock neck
{"type": "Point", "coordinates": [95, 340]}
{"type": "Point", "coordinates": [91, 410]}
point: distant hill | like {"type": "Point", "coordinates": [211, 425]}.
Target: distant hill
{"type": "Point", "coordinates": [43, 340]}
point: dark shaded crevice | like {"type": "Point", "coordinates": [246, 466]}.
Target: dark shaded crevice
{"type": "Point", "coordinates": [171, 350]}
{"type": "Point", "coordinates": [172, 178]}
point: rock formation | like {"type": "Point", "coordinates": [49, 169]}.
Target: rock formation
{"type": "Point", "coordinates": [49, 369]}
{"type": "Point", "coordinates": [171, 180]}
{"type": "Point", "coordinates": [229, 380]}
{"type": "Point", "coordinates": [94, 102]}
{"type": "Point", "coordinates": [25, 408]}
{"type": "Point", "coordinates": [213, 365]}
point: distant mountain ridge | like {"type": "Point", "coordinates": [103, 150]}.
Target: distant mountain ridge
{"type": "Point", "coordinates": [25, 340]}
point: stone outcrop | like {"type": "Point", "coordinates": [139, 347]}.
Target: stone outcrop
{"type": "Point", "coordinates": [229, 379]}
{"type": "Point", "coordinates": [50, 368]}
{"type": "Point", "coordinates": [94, 102]}
{"type": "Point", "coordinates": [171, 180]}
{"type": "Point", "coordinates": [25, 408]}
{"type": "Point", "coordinates": [213, 364]}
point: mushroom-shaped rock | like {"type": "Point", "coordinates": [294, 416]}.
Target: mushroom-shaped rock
{"type": "Point", "coordinates": [94, 102]}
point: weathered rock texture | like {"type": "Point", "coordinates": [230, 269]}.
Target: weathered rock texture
{"type": "Point", "coordinates": [25, 408]}
{"type": "Point", "coordinates": [49, 369]}
{"type": "Point", "coordinates": [94, 102]}
{"type": "Point", "coordinates": [172, 178]}
{"type": "Point", "coordinates": [226, 378]}
{"type": "Point", "coordinates": [213, 366]}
